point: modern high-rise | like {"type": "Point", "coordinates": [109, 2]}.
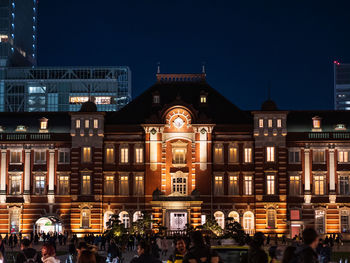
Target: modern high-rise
{"type": "Point", "coordinates": [341, 86]}
{"type": "Point", "coordinates": [63, 88]}
{"type": "Point", "coordinates": [18, 33]}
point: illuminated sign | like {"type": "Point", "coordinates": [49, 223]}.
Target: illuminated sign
{"type": "Point", "coordinates": [78, 100]}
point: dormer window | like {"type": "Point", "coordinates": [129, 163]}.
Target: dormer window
{"type": "Point", "coordinates": [203, 98]}
{"type": "Point", "coordinates": [316, 123]}
{"type": "Point", "coordinates": [340, 127]}
{"type": "Point", "coordinates": [21, 128]}
{"type": "Point", "coordinates": [156, 99]}
{"type": "Point", "coordinates": [43, 124]}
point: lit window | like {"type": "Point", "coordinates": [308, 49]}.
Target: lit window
{"type": "Point", "coordinates": [43, 124]}
{"type": "Point", "coordinates": [77, 124]}
{"type": "Point", "coordinates": [86, 155]}
{"type": "Point", "coordinates": [247, 155]}
{"type": "Point", "coordinates": [233, 154]}
{"type": "Point", "coordinates": [16, 156]}
{"type": "Point", "coordinates": [270, 154]}
{"type": "Point", "coordinates": [271, 218]}
{"type": "Point", "coordinates": [294, 156]}
{"type": "Point", "coordinates": [218, 185]}
{"type": "Point", "coordinates": [124, 154]}
{"type": "Point", "coordinates": [95, 123]}
{"type": "Point", "coordinates": [203, 99]}
{"type": "Point", "coordinates": [64, 156]}
{"type": "Point", "coordinates": [220, 218]}
{"type": "Point", "coordinates": [234, 215]}
{"type": "Point", "coordinates": [85, 217]}
{"type": "Point", "coordinates": [269, 123]}
{"type": "Point", "coordinates": [344, 221]}
{"type": "Point", "coordinates": [179, 184]}
{"type": "Point", "coordinates": [14, 220]}
{"type": "Point", "coordinates": [316, 122]}
{"type": "Point", "coordinates": [318, 156]}
{"type": "Point", "coordinates": [320, 221]}
{"type": "Point", "coordinates": [294, 185]}
{"type": "Point", "coordinates": [319, 185]}
{"type": "Point", "coordinates": [15, 182]}
{"type": "Point", "coordinates": [340, 127]}
{"type": "Point", "coordinates": [248, 222]}
{"type": "Point", "coordinates": [109, 185]}
{"type": "Point", "coordinates": [270, 185]}
{"type": "Point", "coordinates": [21, 128]}
{"type": "Point", "coordinates": [110, 155]}
{"type": "Point", "coordinates": [124, 218]}
{"type": "Point", "coordinates": [279, 123]}
{"type": "Point", "coordinates": [40, 156]}
{"type": "Point", "coordinates": [261, 123]}
{"type": "Point", "coordinates": [124, 185]}
{"type": "Point", "coordinates": [138, 154]}
{"type": "Point", "coordinates": [344, 182]}
{"type": "Point", "coordinates": [218, 153]}
{"type": "Point", "coordinates": [103, 100]}
{"type": "Point", "coordinates": [63, 184]}
{"type": "Point", "coordinates": [156, 99]}
{"type": "Point", "coordinates": [233, 188]}
{"type": "Point", "coordinates": [86, 185]}
{"type": "Point", "coordinates": [39, 184]}
{"type": "Point", "coordinates": [179, 156]}
{"type": "Point", "coordinates": [343, 156]}
{"type": "Point", "coordinates": [87, 123]}
{"type": "Point", "coordinates": [248, 185]}
{"type": "Point", "coordinates": [78, 100]}
{"type": "Point", "coordinates": [138, 187]}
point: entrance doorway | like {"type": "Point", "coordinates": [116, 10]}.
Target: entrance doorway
{"type": "Point", "coordinates": [178, 220]}
{"type": "Point", "coordinates": [48, 225]}
{"type": "Point", "coordinates": [295, 230]}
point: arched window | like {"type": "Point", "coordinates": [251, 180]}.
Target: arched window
{"type": "Point", "coordinates": [124, 218]}
{"type": "Point", "coordinates": [137, 215]}
{"type": "Point", "coordinates": [106, 217]}
{"type": "Point", "coordinates": [234, 215]}
{"type": "Point", "coordinates": [220, 218]}
{"type": "Point", "coordinates": [248, 221]}
{"type": "Point", "coordinates": [85, 217]}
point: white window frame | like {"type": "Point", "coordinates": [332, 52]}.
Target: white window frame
{"type": "Point", "coordinates": [279, 123]}
{"type": "Point", "coordinates": [179, 183]}
{"type": "Point", "coordinates": [248, 152]}
{"type": "Point", "coordinates": [270, 154]}
{"type": "Point", "coordinates": [270, 184]}
{"type": "Point", "coordinates": [86, 123]}
{"type": "Point", "coordinates": [319, 185]}
{"type": "Point", "coordinates": [138, 154]}
{"type": "Point", "coordinates": [248, 184]}
{"type": "Point", "coordinates": [269, 123]}
{"type": "Point", "coordinates": [261, 123]}
{"type": "Point", "coordinates": [124, 154]}
{"type": "Point", "coordinates": [343, 156]}
{"type": "Point", "coordinates": [18, 176]}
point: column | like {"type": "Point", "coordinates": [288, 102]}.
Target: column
{"type": "Point", "coordinates": [51, 171]}
{"type": "Point", "coordinates": [203, 149]}
{"type": "Point", "coordinates": [331, 171]}
{"type": "Point", "coordinates": [27, 171]}
{"type": "Point", "coordinates": [3, 172]}
{"type": "Point", "coordinates": [189, 216]}
{"type": "Point", "coordinates": [153, 149]}
{"type": "Point", "coordinates": [307, 170]}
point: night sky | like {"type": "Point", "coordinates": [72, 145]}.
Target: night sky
{"type": "Point", "coordinates": [245, 44]}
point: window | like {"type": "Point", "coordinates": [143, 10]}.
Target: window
{"type": "Point", "coordinates": [15, 182]}
{"type": "Point", "coordinates": [234, 215]}
{"type": "Point", "coordinates": [43, 124]}
{"type": "Point", "coordinates": [21, 128]}
{"type": "Point", "coordinates": [124, 185]}
{"type": "Point", "coordinates": [233, 188]}
{"type": "Point", "coordinates": [248, 185]}
{"type": "Point", "coordinates": [137, 215]}
{"type": "Point", "coordinates": [64, 156]}
{"type": "Point", "coordinates": [124, 154]}
{"type": "Point", "coordinates": [218, 185]}
{"type": "Point", "coordinates": [232, 154]}
{"type": "Point", "coordinates": [179, 184]}
{"type": "Point", "coordinates": [156, 99]}
{"type": "Point", "coordinates": [270, 154]}
{"type": "Point", "coordinates": [138, 187]}
{"type": "Point", "coordinates": [63, 184]}
{"type": "Point", "coordinates": [220, 218]}
{"type": "Point", "coordinates": [16, 156]}
{"type": "Point", "coordinates": [85, 217]}
{"type": "Point", "coordinates": [77, 124]}
{"type": "Point", "coordinates": [319, 184]}
{"type": "Point", "coordinates": [316, 122]}
{"type": "Point", "coordinates": [294, 156]}
{"type": "Point", "coordinates": [261, 123]}
{"type": "Point", "coordinates": [344, 185]}
{"type": "Point", "coordinates": [87, 124]}
{"type": "Point", "coordinates": [343, 156]}
{"type": "Point", "coordinates": [107, 216]}
{"type": "Point", "coordinates": [248, 222]}
{"type": "Point", "coordinates": [270, 185]}
{"type": "Point", "coordinates": [320, 221]}
{"type": "Point", "coordinates": [340, 127]}
{"type": "Point", "coordinates": [95, 123]}
{"type": "Point", "coordinates": [218, 153]}
{"type": "Point", "coordinates": [124, 218]}
{"type": "Point", "coordinates": [14, 220]}
{"type": "Point", "coordinates": [86, 185]}
{"type": "Point", "coordinates": [179, 155]}
{"type": "Point", "coordinates": [86, 155]}
{"type": "Point", "coordinates": [344, 221]}
{"type": "Point", "coordinates": [269, 123]}
{"type": "Point", "coordinates": [279, 123]}
{"type": "Point", "coordinates": [203, 99]}
{"type": "Point", "coordinates": [271, 218]}
{"type": "Point", "coordinates": [247, 155]}
{"type": "Point", "coordinates": [40, 156]}
{"type": "Point", "coordinates": [294, 185]}
{"type": "Point", "coordinates": [39, 184]}
{"type": "Point", "coordinates": [138, 154]}
{"type": "Point", "coordinates": [109, 185]}
{"type": "Point", "coordinates": [318, 156]}
{"type": "Point", "coordinates": [295, 214]}
{"type": "Point", "coordinates": [109, 155]}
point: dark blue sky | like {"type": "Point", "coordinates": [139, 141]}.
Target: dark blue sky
{"type": "Point", "coordinates": [245, 44]}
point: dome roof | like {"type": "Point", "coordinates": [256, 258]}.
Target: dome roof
{"type": "Point", "coordinates": [88, 106]}
{"type": "Point", "coordinates": [269, 105]}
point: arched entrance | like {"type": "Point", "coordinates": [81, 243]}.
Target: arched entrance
{"type": "Point", "coordinates": [48, 224]}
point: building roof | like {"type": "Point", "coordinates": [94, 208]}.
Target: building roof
{"type": "Point", "coordinates": [217, 108]}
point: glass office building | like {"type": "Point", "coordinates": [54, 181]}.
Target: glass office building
{"type": "Point", "coordinates": [63, 88]}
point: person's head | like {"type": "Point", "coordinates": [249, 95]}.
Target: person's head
{"type": "Point", "coordinates": [197, 239]}
{"type": "Point", "coordinates": [87, 256]}
{"type": "Point", "coordinates": [289, 254]}
{"type": "Point", "coordinates": [180, 246]}
{"type": "Point", "coordinates": [25, 243]}
{"type": "Point", "coordinates": [48, 250]}
{"type": "Point", "coordinates": [143, 248]}
{"type": "Point", "coordinates": [310, 237]}
{"type": "Point", "coordinates": [82, 246]}
{"type": "Point", "coordinates": [259, 239]}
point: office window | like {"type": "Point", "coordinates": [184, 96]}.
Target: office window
{"type": "Point", "coordinates": [16, 156]}
{"type": "Point", "coordinates": [343, 156]}
{"type": "Point", "coordinates": [87, 124]}
{"type": "Point", "coordinates": [124, 185]}
{"type": "Point", "coordinates": [40, 156]}
{"type": "Point", "coordinates": [270, 184]}
{"type": "Point", "coordinates": [294, 156]}
{"type": "Point", "coordinates": [218, 153]}
{"type": "Point", "coordinates": [294, 185]}
{"type": "Point", "coordinates": [344, 221]}
{"type": "Point", "coordinates": [124, 154]}
{"type": "Point", "coordinates": [233, 188]}
{"type": "Point", "coordinates": [109, 185]}
{"type": "Point", "coordinates": [320, 221]}
{"type": "Point", "coordinates": [138, 154]}
{"type": "Point", "coordinates": [110, 155]}
{"type": "Point", "coordinates": [247, 155]}
{"type": "Point", "coordinates": [15, 183]}
{"type": "Point", "coordinates": [261, 123]}
{"type": "Point", "coordinates": [269, 123]}
{"type": "Point", "coordinates": [64, 156]}
{"type": "Point", "coordinates": [63, 184]}
{"type": "Point", "coordinates": [270, 154]}
{"type": "Point", "coordinates": [86, 185]}
{"type": "Point", "coordinates": [219, 185]}
{"type": "Point", "coordinates": [77, 124]}
{"type": "Point", "coordinates": [344, 185]}
{"type": "Point", "coordinates": [95, 123]}
{"type": "Point", "coordinates": [138, 187]}
{"type": "Point", "coordinates": [248, 185]}
{"type": "Point", "coordinates": [279, 123]}
{"type": "Point", "coordinates": [318, 156]}
{"type": "Point", "coordinates": [179, 184]}
{"type": "Point", "coordinates": [39, 184]}
{"type": "Point", "coordinates": [232, 154]}
{"type": "Point", "coordinates": [86, 155]}
{"type": "Point", "coordinates": [85, 217]}
{"type": "Point", "coordinates": [271, 218]}
{"type": "Point", "coordinates": [319, 184]}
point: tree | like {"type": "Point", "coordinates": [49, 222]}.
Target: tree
{"type": "Point", "coordinates": [213, 226]}
{"type": "Point", "coordinates": [116, 230]}
{"type": "Point", "coordinates": [143, 224]}
{"type": "Point", "coordinates": [235, 231]}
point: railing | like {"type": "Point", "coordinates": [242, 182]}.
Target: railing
{"type": "Point", "coordinates": [321, 135]}
{"type": "Point", "coordinates": [33, 136]}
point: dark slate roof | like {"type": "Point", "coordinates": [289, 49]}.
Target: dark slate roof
{"type": "Point", "coordinates": [301, 121]}
{"type": "Point", "coordinates": [88, 106]}
{"type": "Point", "coordinates": [269, 105]}
{"type": "Point", "coordinates": [58, 122]}
{"type": "Point", "coordinates": [218, 109]}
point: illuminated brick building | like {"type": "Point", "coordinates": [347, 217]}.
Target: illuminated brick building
{"type": "Point", "coordinates": [182, 152]}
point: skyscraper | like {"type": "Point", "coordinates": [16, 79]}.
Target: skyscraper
{"type": "Point", "coordinates": [18, 33]}
{"type": "Point", "coordinates": [341, 86]}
